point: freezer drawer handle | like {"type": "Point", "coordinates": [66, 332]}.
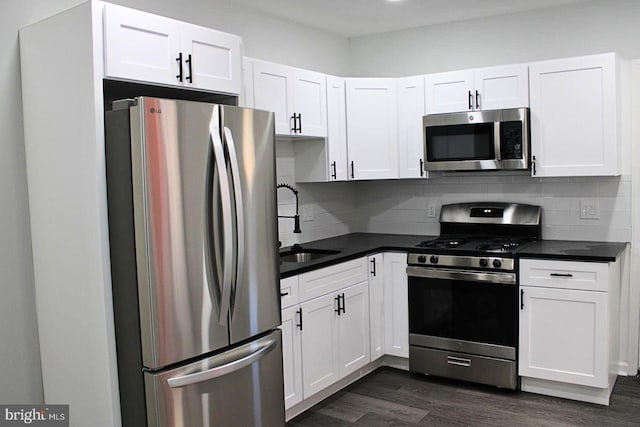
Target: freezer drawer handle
{"type": "Point", "coordinates": [223, 370]}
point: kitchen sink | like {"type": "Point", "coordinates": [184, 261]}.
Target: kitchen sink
{"type": "Point", "coordinates": [306, 255]}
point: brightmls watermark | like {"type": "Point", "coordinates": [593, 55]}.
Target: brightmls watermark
{"type": "Point", "coordinates": [34, 415]}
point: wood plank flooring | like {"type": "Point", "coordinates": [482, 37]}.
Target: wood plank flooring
{"type": "Point", "coordinates": [393, 398]}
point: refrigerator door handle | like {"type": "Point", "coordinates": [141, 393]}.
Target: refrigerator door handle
{"type": "Point", "coordinates": [227, 217]}
{"type": "Point", "coordinates": [245, 360]}
{"type": "Point", "coordinates": [237, 189]}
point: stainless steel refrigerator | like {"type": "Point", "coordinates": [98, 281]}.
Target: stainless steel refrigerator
{"type": "Point", "coordinates": [193, 232]}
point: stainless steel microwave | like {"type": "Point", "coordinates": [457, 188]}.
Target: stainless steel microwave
{"type": "Point", "coordinates": [477, 140]}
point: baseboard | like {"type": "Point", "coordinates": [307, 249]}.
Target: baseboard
{"type": "Point", "coordinates": [569, 391]}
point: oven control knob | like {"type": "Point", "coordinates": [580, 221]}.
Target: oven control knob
{"type": "Point", "coordinates": [497, 263]}
{"type": "Point", "coordinates": [433, 259]}
{"type": "Point", "coordinates": [484, 262]}
{"type": "Point", "coordinates": [422, 259]}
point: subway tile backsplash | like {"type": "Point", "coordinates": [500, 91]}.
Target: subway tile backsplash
{"type": "Point", "coordinates": [400, 206]}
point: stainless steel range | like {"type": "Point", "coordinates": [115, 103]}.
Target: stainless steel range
{"type": "Point", "coordinates": [463, 293]}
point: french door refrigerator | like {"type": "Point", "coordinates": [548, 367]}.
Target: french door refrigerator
{"type": "Point", "coordinates": [193, 232]}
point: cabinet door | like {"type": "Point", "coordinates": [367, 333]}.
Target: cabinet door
{"type": "Point", "coordinates": [564, 336]}
{"type": "Point", "coordinates": [141, 46]}
{"type": "Point", "coordinates": [353, 329]}
{"type": "Point", "coordinates": [410, 113]}
{"type": "Point", "coordinates": [372, 129]}
{"type": "Point", "coordinates": [320, 366]}
{"type": "Point", "coordinates": [449, 92]}
{"type": "Point", "coordinates": [291, 356]}
{"type": "Point", "coordinates": [573, 116]}
{"type": "Point", "coordinates": [501, 87]}
{"type": "Point", "coordinates": [272, 92]}
{"type": "Point", "coordinates": [310, 102]}
{"type": "Point", "coordinates": [336, 129]}
{"type": "Point", "coordinates": [215, 61]}
{"type": "Point", "coordinates": [376, 308]}
{"type": "Point", "coordinates": [396, 305]}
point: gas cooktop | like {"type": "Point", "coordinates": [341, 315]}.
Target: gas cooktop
{"type": "Point", "coordinates": [476, 244]}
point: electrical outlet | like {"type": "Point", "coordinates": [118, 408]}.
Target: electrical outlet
{"type": "Point", "coordinates": [307, 213]}
{"type": "Point", "coordinates": [589, 209]}
{"type": "Point", "coordinates": [431, 210]}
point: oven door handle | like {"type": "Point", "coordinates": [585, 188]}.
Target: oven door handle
{"type": "Point", "coordinates": [473, 276]}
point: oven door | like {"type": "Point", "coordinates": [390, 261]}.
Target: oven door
{"type": "Point", "coordinates": [463, 311]}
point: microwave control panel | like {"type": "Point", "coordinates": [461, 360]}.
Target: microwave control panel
{"type": "Point", "coordinates": [511, 140]}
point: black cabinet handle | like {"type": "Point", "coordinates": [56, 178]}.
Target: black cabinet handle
{"type": "Point", "coordinates": [284, 294]}
{"type": "Point", "coordinates": [533, 164]}
{"type": "Point", "coordinates": [294, 118]}
{"type": "Point", "coordinates": [352, 176]}
{"type": "Point", "coordinates": [373, 265]}
{"type": "Point", "coordinates": [189, 78]}
{"type": "Point", "coordinates": [299, 122]}
{"type": "Point", "coordinates": [179, 59]}
{"type": "Point", "coordinates": [477, 100]}
{"type": "Point", "coordinates": [334, 174]}
{"type": "Point", "coordinates": [299, 312]}
{"type": "Point", "coordinates": [337, 299]}
{"type": "Point", "coordinates": [470, 101]}
{"type": "Point", "coordinates": [421, 167]}
{"type": "Point", "coordinates": [561, 275]}
{"type": "Point", "coordinates": [344, 311]}
{"type": "Point", "coordinates": [521, 299]}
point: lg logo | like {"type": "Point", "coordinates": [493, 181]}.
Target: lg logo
{"type": "Point", "coordinates": [155, 110]}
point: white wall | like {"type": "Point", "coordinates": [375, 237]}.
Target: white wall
{"type": "Point", "coordinates": [264, 37]}
{"type": "Point", "coordinates": [593, 27]}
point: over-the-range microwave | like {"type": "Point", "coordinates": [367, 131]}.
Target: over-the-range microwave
{"type": "Point", "coordinates": [477, 140]}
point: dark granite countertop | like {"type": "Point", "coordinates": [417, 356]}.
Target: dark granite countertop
{"type": "Point", "coordinates": [573, 250]}
{"type": "Point", "coordinates": [356, 245]}
{"type": "Point", "coordinates": [351, 246]}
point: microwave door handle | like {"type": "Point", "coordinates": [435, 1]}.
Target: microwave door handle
{"type": "Point", "coordinates": [227, 216]}
{"type": "Point", "coordinates": [496, 140]}
{"type": "Point", "coordinates": [237, 190]}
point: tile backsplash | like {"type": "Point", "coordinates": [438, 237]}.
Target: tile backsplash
{"type": "Point", "coordinates": [400, 206]}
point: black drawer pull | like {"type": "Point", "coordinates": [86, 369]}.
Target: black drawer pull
{"type": "Point", "coordinates": [561, 275]}
{"type": "Point", "coordinates": [284, 294]}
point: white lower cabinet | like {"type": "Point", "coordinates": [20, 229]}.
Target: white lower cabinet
{"type": "Point", "coordinates": [376, 305]}
{"type": "Point", "coordinates": [568, 341]}
{"type": "Point", "coordinates": [562, 335]}
{"type": "Point", "coordinates": [291, 356]}
{"type": "Point", "coordinates": [335, 337]}
{"type": "Point", "coordinates": [396, 305]}
{"type": "Point", "coordinates": [320, 363]}
{"type": "Point", "coordinates": [326, 332]}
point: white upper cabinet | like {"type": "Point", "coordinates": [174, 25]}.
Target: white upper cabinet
{"type": "Point", "coordinates": [144, 47]}
{"type": "Point", "coordinates": [479, 89]}
{"type": "Point", "coordinates": [336, 129]}
{"type": "Point", "coordinates": [574, 117]}
{"type": "Point", "coordinates": [410, 112]}
{"type": "Point", "coordinates": [449, 92]}
{"type": "Point", "coordinates": [372, 128]}
{"type": "Point", "coordinates": [298, 98]}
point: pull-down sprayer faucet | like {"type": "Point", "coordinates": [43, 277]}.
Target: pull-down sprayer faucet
{"type": "Point", "coordinates": [296, 217]}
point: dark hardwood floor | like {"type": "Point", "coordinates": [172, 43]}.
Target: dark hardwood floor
{"type": "Point", "coordinates": [390, 397]}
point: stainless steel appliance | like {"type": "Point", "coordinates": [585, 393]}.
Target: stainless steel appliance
{"type": "Point", "coordinates": [463, 293]}
{"type": "Point", "coordinates": [477, 140]}
{"type": "Point", "coordinates": [193, 241]}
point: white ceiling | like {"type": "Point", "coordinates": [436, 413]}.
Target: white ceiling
{"type": "Point", "coordinates": [352, 18]}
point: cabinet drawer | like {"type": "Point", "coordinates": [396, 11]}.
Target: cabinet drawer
{"type": "Point", "coordinates": [289, 294]}
{"type": "Point", "coordinates": [329, 279]}
{"type": "Point", "coordinates": [588, 276]}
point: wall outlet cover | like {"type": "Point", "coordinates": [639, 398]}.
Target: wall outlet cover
{"type": "Point", "coordinates": [589, 209]}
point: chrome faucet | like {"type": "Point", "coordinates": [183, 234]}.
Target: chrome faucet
{"type": "Point", "coordinates": [296, 217]}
